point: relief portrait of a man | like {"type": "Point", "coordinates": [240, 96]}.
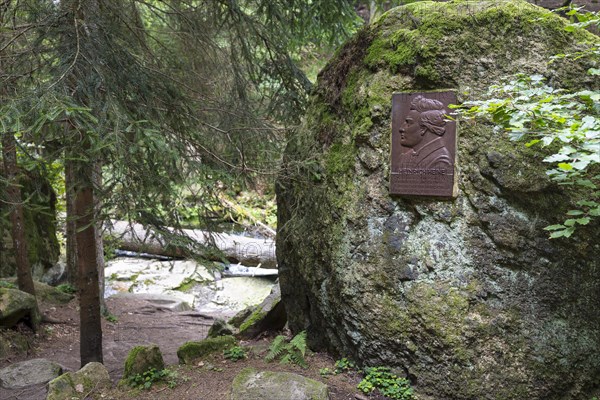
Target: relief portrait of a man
{"type": "Point", "coordinates": [421, 135]}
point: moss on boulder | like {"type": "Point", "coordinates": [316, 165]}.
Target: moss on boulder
{"type": "Point", "coordinates": [15, 306]}
{"type": "Point", "coordinates": [253, 384]}
{"type": "Point", "coordinates": [92, 378]}
{"type": "Point", "coordinates": [141, 359]}
{"type": "Point", "coordinates": [191, 351]}
{"type": "Point", "coordinates": [468, 296]}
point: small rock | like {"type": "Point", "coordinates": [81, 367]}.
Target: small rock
{"type": "Point", "coordinates": [220, 328]}
{"type": "Point", "coordinates": [269, 315]}
{"type": "Point", "coordinates": [268, 385]}
{"type": "Point", "coordinates": [92, 377]}
{"type": "Point", "coordinates": [30, 372]}
{"type": "Point", "coordinates": [141, 359]}
{"type": "Point", "coordinates": [192, 351]}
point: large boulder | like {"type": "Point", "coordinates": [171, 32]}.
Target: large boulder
{"type": "Point", "coordinates": [15, 306]}
{"type": "Point", "coordinates": [268, 385]}
{"type": "Point", "coordinates": [468, 295]}
{"type": "Point", "coordinates": [30, 372]}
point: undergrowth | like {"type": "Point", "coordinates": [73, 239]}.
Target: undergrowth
{"type": "Point", "coordinates": [292, 352]}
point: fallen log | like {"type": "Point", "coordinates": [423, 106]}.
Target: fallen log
{"type": "Point", "coordinates": [234, 248]}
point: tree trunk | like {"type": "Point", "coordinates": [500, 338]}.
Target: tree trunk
{"type": "Point", "coordinates": [87, 260]}
{"type": "Point", "coordinates": [14, 199]}
{"type": "Point", "coordinates": [97, 178]}
{"type": "Point", "coordinates": [71, 249]}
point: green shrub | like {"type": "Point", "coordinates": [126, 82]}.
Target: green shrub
{"type": "Point", "coordinates": [344, 365]}
{"type": "Point", "coordinates": [152, 376]}
{"type": "Point", "coordinates": [66, 288]}
{"type": "Point", "coordinates": [387, 383]}
{"type": "Point", "coordinates": [235, 353]}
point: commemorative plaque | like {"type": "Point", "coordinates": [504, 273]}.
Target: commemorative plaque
{"type": "Point", "coordinates": [423, 145]}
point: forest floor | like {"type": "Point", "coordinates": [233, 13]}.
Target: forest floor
{"type": "Point", "coordinates": [140, 323]}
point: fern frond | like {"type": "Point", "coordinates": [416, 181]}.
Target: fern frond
{"type": "Point", "coordinates": [299, 343]}
{"type": "Point", "coordinates": [277, 348]}
{"type": "Point", "coordinates": [298, 359]}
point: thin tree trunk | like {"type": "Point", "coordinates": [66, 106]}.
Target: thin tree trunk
{"type": "Point", "coordinates": [87, 258]}
{"type": "Point", "coordinates": [97, 178]}
{"type": "Point", "coordinates": [71, 249]}
{"type": "Point", "coordinates": [13, 195]}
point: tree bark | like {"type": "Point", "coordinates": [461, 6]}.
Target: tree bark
{"type": "Point", "coordinates": [71, 248]}
{"type": "Point", "coordinates": [87, 260]}
{"type": "Point", "coordinates": [97, 178]}
{"type": "Point", "coordinates": [13, 195]}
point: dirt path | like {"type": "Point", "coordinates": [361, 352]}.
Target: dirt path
{"type": "Point", "coordinates": [140, 323]}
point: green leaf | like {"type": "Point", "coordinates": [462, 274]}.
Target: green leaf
{"type": "Point", "coordinates": [554, 227]}
{"type": "Point", "coordinates": [595, 212]}
{"type": "Point", "coordinates": [532, 142]}
{"type": "Point", "coordinates": [575, 212]}
{"type": "Point", "coordinates": [565, 166]}
{"type": "Point", "coordinates": [570, 222]}
{"type": "Point", "coordinates": [587, 203]}
{"type": "Point", "coordinates": [583, 221]}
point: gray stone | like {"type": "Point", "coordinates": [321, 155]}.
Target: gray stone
{"type": "Point", "coordinates": [30, 372]}
{"type": "Point", "coordinates": [16, 305]}
{"type": "Point", "coordinates": [468, 296]}
{"type": "Point", "coordinates": [92, 378]}
{"type": "Point", "coordinates": [158, 301]}
{"type": "Point", "coordinates": [269, 315]}
{"type": "Point", "coordinates": [220, 328]}
{"type": "Point", "coordinates": [268, 385]}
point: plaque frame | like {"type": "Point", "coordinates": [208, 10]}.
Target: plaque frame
{"type": "Point", "coordinates": [423, 145]}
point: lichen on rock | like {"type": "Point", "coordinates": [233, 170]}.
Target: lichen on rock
{"type": "Point", "coordinates": [468, 296]}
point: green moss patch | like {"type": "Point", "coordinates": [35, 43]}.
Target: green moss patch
{"type": "Point", "coordinates": [191, 351]}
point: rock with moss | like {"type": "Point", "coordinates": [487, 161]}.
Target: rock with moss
{"type": "Point", "coordinates": [192, 351]}
{"type": "Point", "coordinates": [45, 293]}
{"type": "Point", "coordinates": [141, 359]}
{"type": "Point", "coordinates": [468, 296]}
{"type": "Point", "coordinates": [91, 379]}
{"type": "Point", "coordinates": [220, 328]}
{"type": "Point", "coordinates": [267, 385]}
{"type": "Point", "coordinates": [269, 315]}
{"type": "Point", "coordinates": [16, 306]}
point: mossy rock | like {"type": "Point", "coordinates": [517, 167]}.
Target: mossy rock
{"type": "Point", "coordinates": [191, 351]}
{"type": "Point", "coordinates": [220, 328]}
{"type": "Point", "coordinates": [253, 384]}
{"type": "Point", "coordinates": [467, 295]}
{"type": "Point", "coordinates": [15, 306]}
{"type": "Point", "coordinates": [91, 379]}
{"type": "Point", "coordinates": [47, 293]}
{"type": "Point", "coordinates": [268, 316]}
{"type": "Point", "coordinates": [141, 359]}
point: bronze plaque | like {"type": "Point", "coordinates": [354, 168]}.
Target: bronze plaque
{"type": "Point", "coordinates": [423, 145]}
